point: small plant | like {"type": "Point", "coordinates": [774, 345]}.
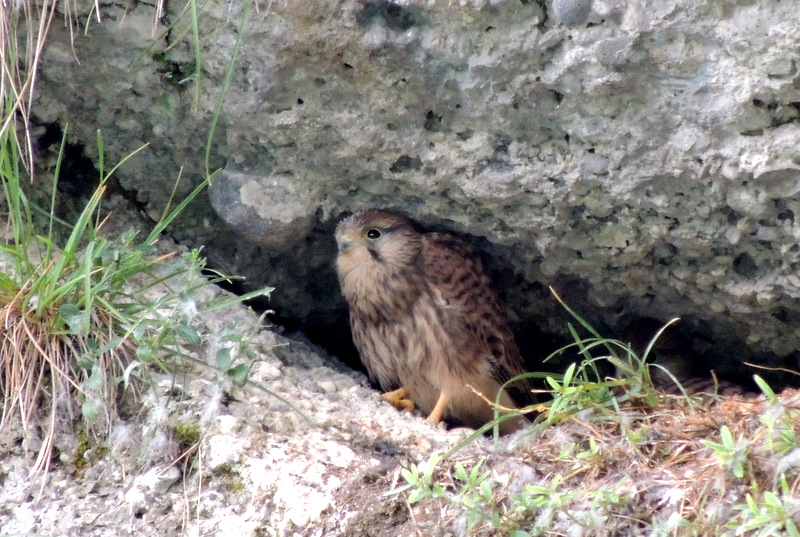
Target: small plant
{"type": "Point", "coordinates": [234, 355]}
{"type": "Point", "coordinates": [732, 453]}
{"type": "Point", "coordinates": [773, 515]}
{"type": "Point", "coordinates": [476, 496]}
{"type": "Point", "coordinates": [420, 484]}
{"type": "Point", "coordinates": [473, 494]}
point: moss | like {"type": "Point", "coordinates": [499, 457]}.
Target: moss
{"type": "Point", "coordinates": [80, 451]}
{"type": "Point", "coordinates": [228, 477]}
{"type": "Point", "coordinates": [164, 102]}
{"type": "Point", "coordinates": [234, 483]}
{"type": "Point", "coordinates": [187, 434]}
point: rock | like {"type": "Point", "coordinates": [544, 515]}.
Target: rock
{"type": "Point", "coordinates": [572, 12]}
{"type": "Point", "coordinates": [158, 480]}
{"type": "Point", "coordinates": [643, 159]}
{"type": "Point", "coordinates": [268, 211]}
{"type": "Point", "coordinates": [222, 446]}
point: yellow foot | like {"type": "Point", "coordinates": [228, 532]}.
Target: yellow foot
{"type": "Point", "coordinates": [399, 399]}
{"type": "Point", "coordinates": [438, 411]}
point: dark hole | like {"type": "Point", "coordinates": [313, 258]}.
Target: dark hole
{"type": "Point", "coordinates": [433, 122]}
{"type": "Point", "coordinates": [398, 17]}
{"type": "Point", "coordinates": [745, 265]}
{"type": "Point", "coordinates": [405, 163]}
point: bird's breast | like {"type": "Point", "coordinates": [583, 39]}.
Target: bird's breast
{"type": "Point", "coordinates": [380, 293]}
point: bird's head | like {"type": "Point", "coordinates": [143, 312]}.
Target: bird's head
{"type": "Point", "coordinates": [375, 239]}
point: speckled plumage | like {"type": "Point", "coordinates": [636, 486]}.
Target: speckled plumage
{"type": "Point", "coordinates": [425, 317]}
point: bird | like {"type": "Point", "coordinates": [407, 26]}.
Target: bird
{"type": "Point", "coordinates": [429, 327]}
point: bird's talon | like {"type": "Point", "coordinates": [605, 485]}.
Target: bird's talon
{"type": "Point", "coordinates": [438, 411]}
{"type": "Point", "coordinates": [399, 399]}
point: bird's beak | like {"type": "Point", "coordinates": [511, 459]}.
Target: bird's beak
{"type": "Point", "coordinates": [345, 242]}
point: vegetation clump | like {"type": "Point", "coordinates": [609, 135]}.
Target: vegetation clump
{"type": "Point", "coordinates": [616, 457]}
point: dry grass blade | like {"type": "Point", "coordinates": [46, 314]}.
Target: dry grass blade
{"type": "Point", "coordinates": [18, 69]}
{"type": "Point", "coordinates": [40, 376]}
{"type": "Point", "coordinates": [33, 367]}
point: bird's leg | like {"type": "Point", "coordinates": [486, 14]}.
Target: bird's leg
{"type": "Point", "coordinates": [399, 399]}
{"type": "Point", "coordinates": [438, 411]}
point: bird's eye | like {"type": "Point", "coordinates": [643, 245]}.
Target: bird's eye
{"type": "Point", "coordinates": [373, 234]}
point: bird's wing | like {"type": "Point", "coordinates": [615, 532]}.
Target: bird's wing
{"type": "Point", "coordinates": [470, 310]}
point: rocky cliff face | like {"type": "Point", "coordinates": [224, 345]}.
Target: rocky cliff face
{"type": "Point", "coordinates": [643, 159]}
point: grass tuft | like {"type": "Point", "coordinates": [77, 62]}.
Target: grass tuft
{"type": "Point", "coordinates": [84, 316]}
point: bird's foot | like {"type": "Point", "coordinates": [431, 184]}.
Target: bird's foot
{"type": "Point", "coordinates": [399, 399]}
{"type": "Point", "coordinates": [438, 411]}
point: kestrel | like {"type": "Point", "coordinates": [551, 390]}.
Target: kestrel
{"type": "Point", "coordinates": [428, 325]}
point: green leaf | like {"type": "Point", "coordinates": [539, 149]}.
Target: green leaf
{"type": "Point", "coordinates": [772, 500]}
{"type": "Point", "coordinates": [751, 503]}
{"type": "Point", "coordinates": [726, 436]}
{"type": "Point", "coordinates": [188, 334]}
{"type": "Point", "coordinates": [568, 374]}
{"type": "Point", "coordinates": [138, 332]}
{"type": "Point", "coordinates": [95, 380]}
{"type": "Point", "coordinates": [224, 358]}
{"type": "Point", "coordinates": [738, 469]}
{"type": "Point", "coordinates": [553, 383]}
{"type": "Point", "coordinates": [90, 409]}
{"type": "Point", "coordinates": [144, 352]}
{"type": "Point", "coordinates": [411, 476]}
{"type": "Point", "coordinates": [461, 472]}
{"type": "Point", "coordinates": [475, 472]}
{"type": "Point", "coordinates": [74, 318]}
{"type": "Point", "coordinates": [762, 384]}
{"type": "Point", "coordinates": [86, 361]}
{"type": "Point", "coordinates": [713, 445]}
{"type": "Point", "coordinates": [417, 495]}
{"type": "Point", "coordinates": [238, 374]}
{"type": "Point", "coordinates": [430, 467]}
{"type": "Point", "coordinates": [113, 343]}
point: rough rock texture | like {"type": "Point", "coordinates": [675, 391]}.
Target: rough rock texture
{"type": "Point", "coordinates": [644, 161]}
{"type": "Point", "coordinates": [202, 457]}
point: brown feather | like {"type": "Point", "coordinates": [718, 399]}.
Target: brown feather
{"type": "Point", "coordinates": [425, 317]}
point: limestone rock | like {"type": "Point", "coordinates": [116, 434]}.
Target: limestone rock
{"type": "Point", "coordinates": [645, 162]}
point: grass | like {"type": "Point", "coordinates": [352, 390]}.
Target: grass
{"type": "Point", "coordinates": [616, 456]}
{"type": "Point", "coordinates": [19, 62]}
{"type": "Point", "coordinates": [76, 329]}
{"type": "Point", "coordinates": [87, 316]}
